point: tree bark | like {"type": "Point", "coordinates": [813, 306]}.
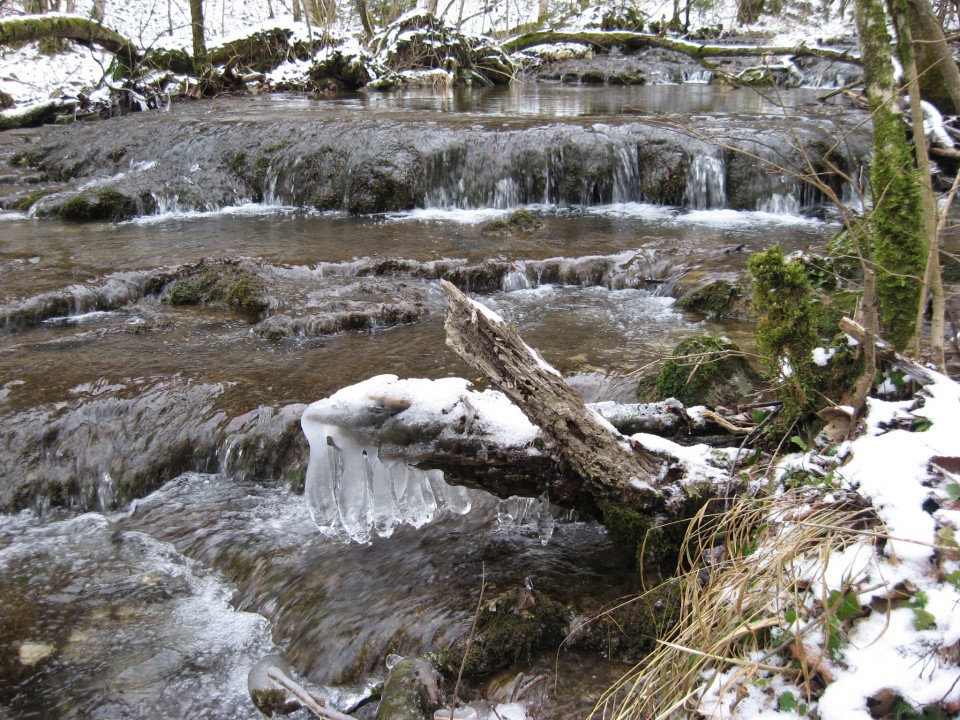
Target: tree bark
{"type": "Point", "coordinates": [82, 30]}
{"type": "Point", "coordinates": [937, 70]}
{"type": "Point", "coordinates": [199, 41]}
{"type": "Point", "coordinates": [602, 459]}
{"type": "Point", "coordinates": [896, 233]}
{"type": "Point", "coordinates": [634, 41]}
{"type": "Point", "coordinates": [928, 202]}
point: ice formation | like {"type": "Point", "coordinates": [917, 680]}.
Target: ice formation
{"type": "Point", "coordinates": [354, 492]}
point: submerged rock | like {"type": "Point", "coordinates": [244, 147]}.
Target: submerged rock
{"type": "Point", "coordinates": [413, 689]}
{"type": "Point", "coordinates": [511, 628]}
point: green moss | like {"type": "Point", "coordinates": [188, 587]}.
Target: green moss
{"type": "Point", "coordinates": [706, 371]}
{"type": "Point", "coordinates": [786, 330]}
{"type": "Point", "coordinates": [510, 629]}
{"type": "Point", "coordinates": [31, 200]}
{"type": "Point", "coordinates": [719, 299]}
{"type": "Point", "coordinates": [226, 285]}
{"type": "Point", "coordinates": [108, 204]}
{"type": "Point", "coordinates": [519, 221]}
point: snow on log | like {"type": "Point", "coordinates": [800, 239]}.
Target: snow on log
{"type": "Point", "coordinates": [605, 40]}
{"type": "Point", "coordinates": [591, 448]}
{"type": "Point", "coordinates": [34, 115]}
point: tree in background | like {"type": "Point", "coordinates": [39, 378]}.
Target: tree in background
{"type": "Point", "coordinates": [200, 57]}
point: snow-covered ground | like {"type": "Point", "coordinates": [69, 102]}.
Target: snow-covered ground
{"type": "Point", "coordinates": [29, 76]}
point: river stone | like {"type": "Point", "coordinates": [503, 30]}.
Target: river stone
{"type": "Point", "coordinates": [707, 371]}
{"type": "Point", "coordinates": [31, 653]}
{"type": "Point", "coordinates": [412, 690]}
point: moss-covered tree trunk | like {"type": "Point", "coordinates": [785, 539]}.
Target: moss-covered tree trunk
{"type": "Point", "coordinates": [908, 59]}
{"type": "Point", "coordinates": [88, 32]}
{"type": "Point", "coordinates": [200, 57]}
{"type": "Point", "coordinates": [896, 227]}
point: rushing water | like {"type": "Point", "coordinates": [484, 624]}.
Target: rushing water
{"type": "Point", "coordinates": [118, 607]}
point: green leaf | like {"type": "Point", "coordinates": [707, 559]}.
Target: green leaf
{"type": "Point", "coordinates": [953, 491]}
{"type": "Point", "coordinates": [798, 441]}
{"type": "Point", "coordinates": [922, 425]}
{"type": "Point", "coordinates": [787, 702]}
{"type": "Point", "coordinates": [947, 537]}
{"type": "Point", "coordinates": [845, 606]}
{"type": "Point", "coordinates": [923, 619]}
{"type": "Point", "coordinates": [802, 709]}
{"type": "Point", "coordinates": [790, 616]}
{"type": "Point", "coordinates": [954, 579]}
{"type": "Point", "coordinates": [758, 416]}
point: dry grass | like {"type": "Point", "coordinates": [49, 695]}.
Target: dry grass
{"type": "Point", "coordinates": [753, 577]}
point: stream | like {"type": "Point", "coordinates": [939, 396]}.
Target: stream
{"type": "Point", "coordinates": [154, 543]}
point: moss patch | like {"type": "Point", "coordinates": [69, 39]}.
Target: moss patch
{"type": "Point", "coordinates": [226, 285]}
{"type": "Point", "coordinates": [107, 204]}
{"type": "Point", "coordinates": [706, 371]}
{"type": "Point", "coordinates": [718, 299]}
{"type": "Point", "coordinates": [519, 221]}
{"type": "Point", "coordinates": [510, 629]}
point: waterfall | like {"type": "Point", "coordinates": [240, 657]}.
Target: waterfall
{"type": "Point", "coordinates": [706, 183]}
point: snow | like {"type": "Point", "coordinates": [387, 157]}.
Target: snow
{"type": "Point", "coordinates": [29, 76]}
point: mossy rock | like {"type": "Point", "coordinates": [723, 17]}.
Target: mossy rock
{"type": "Point", "coordinates": [412, 690]}
{"type": "Point", "coordinates": [629, 631]}
{"type": "Point", "coordinates": [519, 221]}
{"type": "Point", "coordinates": [107, 204]}
{"type": "Point", "coordinates": [707, 371]}
{"type": "Point", "coordinates": [510, 629]}
{"type": "Point", "coordinates": [228, 286]}
{"type": "Point", "coordinates": [718, 299]}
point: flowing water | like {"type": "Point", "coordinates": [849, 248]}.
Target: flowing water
{"type": "Point", "coordinates": [148, 556]}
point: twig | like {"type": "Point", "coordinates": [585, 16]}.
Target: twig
{"type": "Point", "coordinates": [306, 698]}
{"type": "Point", "coordinates": [473, 628]}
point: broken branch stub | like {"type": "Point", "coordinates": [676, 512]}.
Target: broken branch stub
{"type": "Point", "coordinates": [591, 449]}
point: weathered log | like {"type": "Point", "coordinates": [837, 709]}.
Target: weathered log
{"type": "Point", "coordinates": [68, 27]}
{"type": "Point", "coordinates": [635, 41]}
{"type": "Point", "coordinates": [591, 448]}
{"type": "Point", "coordinates": [34, 115]}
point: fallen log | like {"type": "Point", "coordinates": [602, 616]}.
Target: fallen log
{"type": "Point", "coordinates": [607, 465]}
{"type": "Point", "coordinates": [34, 115]}
{"type": "Point", "coordinates": [635, 41]}
{"type": "Point", "coordinates": [68, 27]}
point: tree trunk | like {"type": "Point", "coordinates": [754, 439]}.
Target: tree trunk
{"type": "Point", "coordinates": [896, 221]}
{"type": "Point", "coordinates": [365, 20]}
{"type": "Point", "coordinates": [543, 12]}
{"type": "Point", "coordinates": [596, 454]}
{"type": "Point", "coordinates": [88, 32]}
{"type": "Point", "coordinates": [297, 11]}
{"type": "Point", "coordinates": [199, 42]}
{"type": "Point", "coordinates": [99, 10]}
{"type": "Point", "coordinates": [938, 73]}
{"type": "Point", "coordinates": [928, 202]}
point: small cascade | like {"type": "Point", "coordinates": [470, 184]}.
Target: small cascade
{"type": "Point", "coordinates": [780, 204]}
{"type": "Point", "coordinates": [697, 77]}
{"type": "Point", "coordinates": [550, 166]}
{"type": "Point", "coordinates": [706, 183]}
{"type": "Point", "coordinates": [516, 278]}
{"type": "Point", "coordinates": [535, 514]}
